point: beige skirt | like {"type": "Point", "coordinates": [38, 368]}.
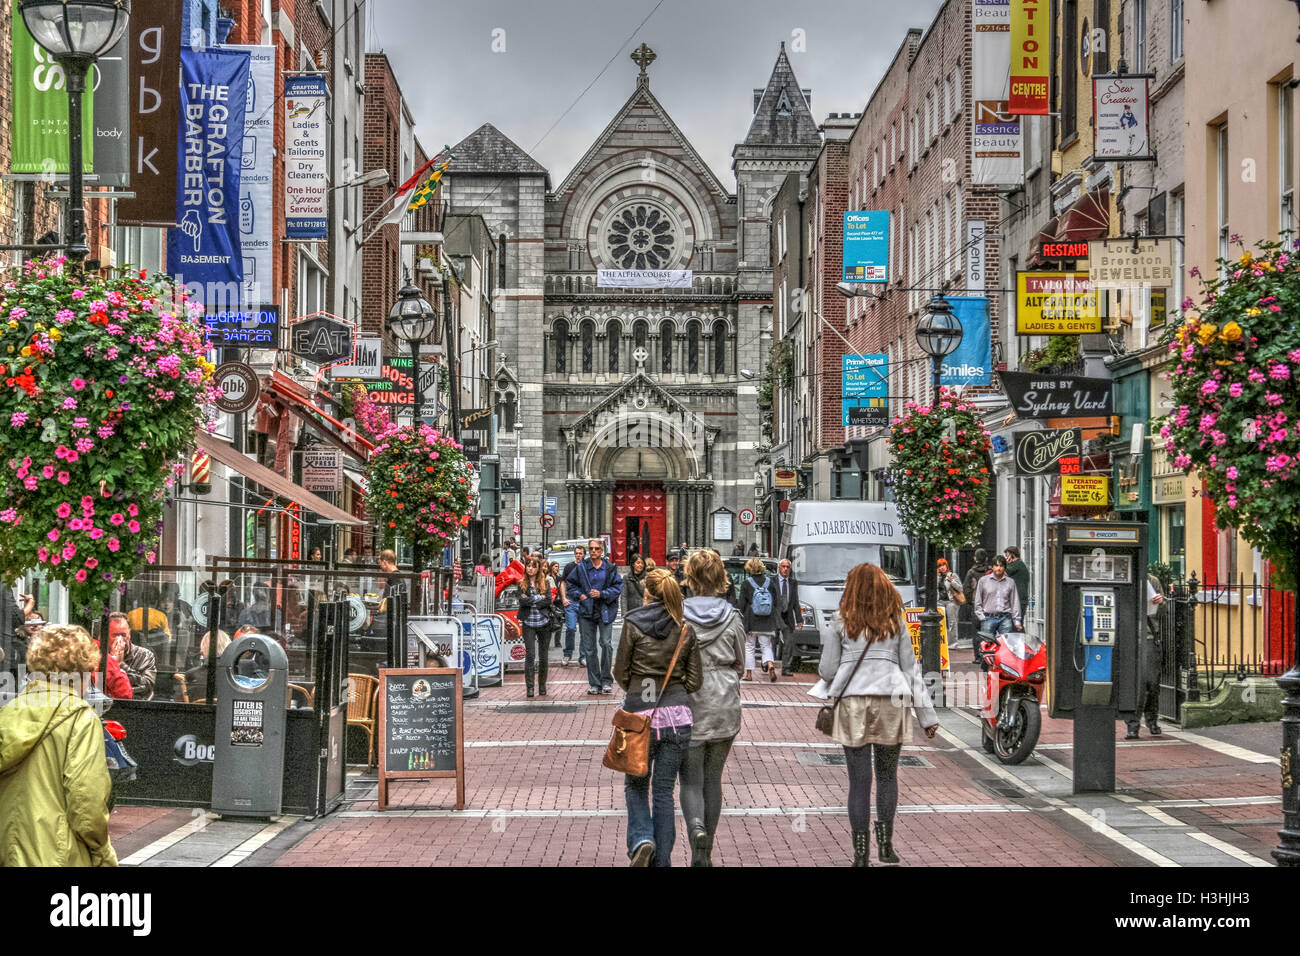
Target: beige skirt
{"type": "Point", "coordinates": [874, 719]}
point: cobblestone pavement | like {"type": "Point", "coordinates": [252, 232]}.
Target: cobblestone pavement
{"type": "Point", "coordinates": [537, 794]}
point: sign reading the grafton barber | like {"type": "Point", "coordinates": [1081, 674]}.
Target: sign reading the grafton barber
{"type": "Point", "coordinates": [1034, 395]}
{"type": "Point", "coordinates": [1040, 453]}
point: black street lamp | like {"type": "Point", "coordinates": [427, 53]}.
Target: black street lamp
{"type": "Point", "coordinates": [76, 33]}
{"type": "Point", "coordinates": [939, 333]}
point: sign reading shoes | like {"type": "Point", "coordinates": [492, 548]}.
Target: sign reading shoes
{"type": "Point", "coordinates": [1040, 453]}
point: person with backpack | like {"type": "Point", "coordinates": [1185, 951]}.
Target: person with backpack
{"type": "Point", "coordinates": [758, 605]}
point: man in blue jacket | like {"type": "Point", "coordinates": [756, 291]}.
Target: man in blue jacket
{"type": "Point", "coordinates": [596, 583]}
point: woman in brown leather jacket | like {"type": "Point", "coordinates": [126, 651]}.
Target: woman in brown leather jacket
{"type": "Point", "coordinates": [646, 649]}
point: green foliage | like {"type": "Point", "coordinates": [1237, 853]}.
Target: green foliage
{"type": "Point", "coordinates": [940, 471]}
{"type": "Point", "coordinates": [1061, 350]}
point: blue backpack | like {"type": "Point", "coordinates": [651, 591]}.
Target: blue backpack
{"type": "Point", "coordinates": [761, 602]}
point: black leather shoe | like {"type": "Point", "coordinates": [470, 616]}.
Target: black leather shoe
{"type": "Point", "coordinates": [1155, 729]}
{"type": "Point", "coordinates": [1131, 735]}
{"type": "Point", "coordinates": [530, 691]}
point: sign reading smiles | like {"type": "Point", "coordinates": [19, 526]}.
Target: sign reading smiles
{"type": "Point", "coordinates": [1040, 453]}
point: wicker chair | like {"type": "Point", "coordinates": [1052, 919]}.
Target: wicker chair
{"type": "Point", "coordinates": [363, 693]}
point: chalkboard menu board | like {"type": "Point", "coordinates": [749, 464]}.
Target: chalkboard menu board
{"type": "Point", "coordinates": [420, 727]}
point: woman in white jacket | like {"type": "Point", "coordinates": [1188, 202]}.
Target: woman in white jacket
{"type": "Point", "coordinates": [869, 667]}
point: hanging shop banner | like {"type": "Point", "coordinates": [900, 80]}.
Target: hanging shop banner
{"type": "Point", "coordinates": [476, 420]}
{"type": "Point", "coordinates": [109, 79]}
{"type": "Point", "coordinates": [1042, 453]}
{"type": "Point", "coordinates": [976, 256]}
{"type": "Point", "coordinates": [1034, 395]}
{"type": "Point", "coordinates": [366, 364]}
{"type": "Point", "coordinates": [644, 278]}
{"type": "Point", "coordinates": [1086, 491]}
{"type": "Point", "coordinates": [1055, 303]}
{"type": "Point", "coordinates": [154, 55]}
{"type": "Point", "coordinates": [864, 376]}
{"type": "Point", "coordinates": [866, 246]}
{"type": "Point", "coordinates": [1121, 114]}
{"type": "Point", "coordinates": [1123, 264]}
{"type": "Point", "coordinates": [255, 170]}
{"type": "Point", "coordinates": [323, 338]}
{"type": "Point", "coordinates": [204, 251]}
{"type": "Point", "coordinates": [997, 139]}
{"type": "Point", "coordinates": [396, 386]}
{"type": "Point", "coordinates": [40, 108]}
{"type": "Point", "coordinates": [1031, 31]}
{"type": "Point", "coordinates": [322, 469]}
{"type": "Point", "coordinates": [865, 412]}
{"type": "Point", "coordinates": [250, 329]}
{"type": "Point", "coordinates": [971, 363]}
{"type": "Point", "coordinates": [306, 172]}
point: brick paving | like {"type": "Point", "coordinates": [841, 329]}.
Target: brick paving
{"type": "Point", "coordinates": [537, 794]}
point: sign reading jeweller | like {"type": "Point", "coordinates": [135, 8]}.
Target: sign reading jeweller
{"type": "Point", "coordinates": [237, 387]}
{"type": "Point", "coordinates": [322, 338]}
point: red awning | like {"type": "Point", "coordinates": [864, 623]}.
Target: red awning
{"type": "Point", "coordinates": [1087, 218]}
{"type": "Point", "coordinates": [298, 400]}
{"type": "Point", "coordinates": [274, 483]}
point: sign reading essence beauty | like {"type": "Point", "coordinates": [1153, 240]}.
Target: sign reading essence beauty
{"type": "Point", "coordinates": [1034, 395]}
{"type": "Point", "coordinates": [1040, 453]}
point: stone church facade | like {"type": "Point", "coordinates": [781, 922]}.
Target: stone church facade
{"type": "Point", "coordinates": [638, 407]}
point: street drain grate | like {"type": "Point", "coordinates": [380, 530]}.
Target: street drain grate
{"type": "Point", "coordinates": [1000, 788]}
{"type": "Point", "coordinates": [819, 758]}
{"type": "Point", "coordinates": [537, 709]}
{"type": "Point", "coordinates": [908, 760]}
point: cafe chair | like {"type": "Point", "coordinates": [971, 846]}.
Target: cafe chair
{"type": "Point", "coordinates": [308, 695]}
{"type": "Point", "coordinates": [181, 692]}
{"type": "Point", "coordinates": [363, 693]}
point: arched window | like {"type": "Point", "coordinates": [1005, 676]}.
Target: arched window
{"type": "Point", "coordinates": [501, 261]}
{"type": "Point", "coordinates": [640, 332]}
{"type": "Point", "coordinates": [588, 337]}
{"type": "Point", "coordinates": [561, 335]}
{"type": "Point", "coordinates": [509, 410]}
{"type": "Point", "coordinates": [693, 347]}
{"type": "Point", "coordinates": [614, 341]}
{"type": "Point", "coordinates": [719, 348]}
{"type": "Point", "coordinates": [666, 346]}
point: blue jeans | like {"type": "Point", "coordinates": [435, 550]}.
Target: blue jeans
{"type": "Point", "coordinates": [599, 673]}
{"type": "Point", "coordinates": [667, 751]}
{"type": "Point", "coordinates": [996, 624]}
{"type": "Point", "coordinates": [570, 629]}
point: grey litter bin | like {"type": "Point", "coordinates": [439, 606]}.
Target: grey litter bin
{"type": "Point", "coordinates": [248, 754]}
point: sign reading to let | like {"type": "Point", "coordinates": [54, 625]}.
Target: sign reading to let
{"type": "Point", "coordinates": [1055, 303]}
{"type": "Point", "coordinates": [1085, 491]}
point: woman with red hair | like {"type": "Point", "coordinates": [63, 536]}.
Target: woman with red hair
{"type": "Point", "coordinates": [868, 664]}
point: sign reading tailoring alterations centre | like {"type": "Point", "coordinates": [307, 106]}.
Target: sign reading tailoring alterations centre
{"type": "Point", "coordinates": [1055, 303]}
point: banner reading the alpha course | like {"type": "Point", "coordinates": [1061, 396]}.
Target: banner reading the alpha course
{"type": "Point", "coordinates": [1055, 303]}
{"type": "Point", "coordinates": [205, 250]}
{"type": "Point", "coordinates": [305, 170]}
{"type": "Point", "coordinates": [255, 176]}
{"type": "Point", "coordinates": [644, 278]}
{"type": "Point", "coordinates": [996, 141]}
{"type": "Point", "coordinates": [972, 361]}
{"type": "Point", "coordinates": [1031, 30]}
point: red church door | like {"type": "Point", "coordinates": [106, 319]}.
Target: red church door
{"type": "Point", "coordinates": [640, 521]}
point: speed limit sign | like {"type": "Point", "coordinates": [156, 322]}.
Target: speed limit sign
{"type": "Point", "coordinates": [237, 387]}
{"type": "Point", "coordinates": [746, 515]}
{"type": "Point", "coordinates": [548, 521]}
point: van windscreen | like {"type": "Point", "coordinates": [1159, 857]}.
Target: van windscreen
{"type": "Point", "coordinates": [828, 565]}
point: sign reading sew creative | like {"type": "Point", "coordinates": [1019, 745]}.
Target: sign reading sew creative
{"type": "Point", "coordinates": [1121, 115]}
{"type": "Point", "coordinates": [305, 169]}
{"type": "Point", "coordinates": [205, 252]}
{"type": "Point", "coordinates": [1055, 303]}
{"type": "Point", "coordinates": [1040, 453]}
{"type": "Point", "coordinates": [1034, 395]}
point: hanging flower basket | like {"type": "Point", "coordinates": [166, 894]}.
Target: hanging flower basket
{"type": "Point", "coordinates": [1236, 398]}
{"type": "Point", "coordinates": [940, 471]}
{"type": "Point", "coordinates": [102, 383]}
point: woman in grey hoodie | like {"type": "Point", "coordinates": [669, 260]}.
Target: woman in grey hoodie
{"type": "Point", "coordinates": [720, 632]}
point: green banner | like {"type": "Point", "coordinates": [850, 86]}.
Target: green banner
{"type": "Point", "coordinates": [40, 139]}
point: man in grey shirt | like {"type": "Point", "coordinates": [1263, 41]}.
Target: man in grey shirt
{"type": "Point", "coordinates": [997, 603]}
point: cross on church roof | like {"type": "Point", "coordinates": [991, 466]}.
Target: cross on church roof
{"type": "Point", "coordinates": [643, 56]}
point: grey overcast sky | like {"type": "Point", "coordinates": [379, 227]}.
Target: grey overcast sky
{"type": "Point", "coordinates": [519, 65]}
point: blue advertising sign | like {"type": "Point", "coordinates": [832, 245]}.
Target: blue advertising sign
{"type": "Point", "coordinates": [205, 251]}
{"type": "Point", "coordinates": [972, 362]}
{"type": "Point", "coordinates": [866, 246]}
{"type": "Point", "coordinates": [549, 505]}
{"type": "Point", "coordinates": [253, 329]}
{"type": "Point", "coordinates": [864, 376]}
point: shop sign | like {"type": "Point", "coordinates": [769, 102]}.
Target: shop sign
{"type": "Point", "coordinates": [1168, 489]}
{"type": "Point", "coordinates": [322, 469]}
{"type": "Point", "coordinates": [1085, 491]}
{"type": "Point", "coordinates": [1117, 264]}
{"type": "Point", "coordinates": [1034, 395]}
{"type": "Point", "coordinates": [1055, 303]}
{"type": "Point", "coordinates": [1040, 453]}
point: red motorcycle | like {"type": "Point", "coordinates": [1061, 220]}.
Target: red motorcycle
{"type": "Point", "coordinates": [1016, 666]}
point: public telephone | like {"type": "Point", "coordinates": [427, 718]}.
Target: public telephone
{"type": "Point", "coordinates": [1097, 639]}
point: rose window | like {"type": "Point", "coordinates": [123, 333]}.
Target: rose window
{"type": "Point", "coordinates": [641, 237]}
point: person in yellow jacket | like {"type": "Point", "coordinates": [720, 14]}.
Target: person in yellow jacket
{"type": "Point", "coordinates": [54, 782]}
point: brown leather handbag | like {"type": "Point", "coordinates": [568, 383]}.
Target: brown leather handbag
{"type": "Point", "coordinates": [629, 747]}
{"type": "Point", "coordinates": [825, 721]}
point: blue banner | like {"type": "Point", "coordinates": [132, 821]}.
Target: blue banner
{"type": "Point", "coordinates": [205, 251]}
{"type": "Point", "coordinates": [972, 362]}
{"type": "Point", "coordinates": [864, 376]}
{"type": "Point", "coordinates": [866, 246]}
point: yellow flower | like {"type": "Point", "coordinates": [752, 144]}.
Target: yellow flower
{"type": "Point", "coordinates": [1252, 311]}
{"type": "Point", "coordinates": [1264, 265]}
{"type": "Point", "coordinates": [1206, 333]}
{"type": "Point", "coordinates": [56, 335]}
{"type": "Point", "coordinates": [1231, 332]}
{"type": "Point", "coordinates": [27, 350]}
{"type": "Point", "coordinates": [13, 324]}
{"type": "Point", "coordinates": [1245, 260]}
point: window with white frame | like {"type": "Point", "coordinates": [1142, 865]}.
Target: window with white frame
{"type": "Point", "coordinates": [311, 285]}
{"type": "Point", "coordinates": [1221, 189]}
{"type": "Point", "coordinates": [1285, 158]}
{"type": "Point", "coordinates": [1175, 30]}
{"type": "Point", "coordinates": [893, 144]}
{"type": "Point", "coordinates": [1139, 8]}
{"type": "Point", "coordinates": [959, 234]}
{"type": "Point", "coordinates": [929, 119]}
{"type": "Point", "coordinates": [875, 166]}
{"type": "Point", "coordinates": [1179, 252]}
{"type": "Point", "coordinates": [911, 268]}
{"type": "Point", "coordinates": [946, 266]}
{"type": "Point", "coordinates": [894, 220]}
{"type": "Point", "coordinates": [911, 139]}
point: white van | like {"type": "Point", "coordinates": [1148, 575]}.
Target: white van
{"type": "Point", "coordinates": [824, 540]}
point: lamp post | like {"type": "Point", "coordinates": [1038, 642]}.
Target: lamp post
{"type": "Point", "coordinates": [411, 319]}
{"type": "Point", "coordinates": [938, 334]}
{"type": "Point", "coordinates": [76, 33]}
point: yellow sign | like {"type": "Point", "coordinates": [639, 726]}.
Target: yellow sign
{"type": "Point", "coordinates": [1055, 303]}
{"type": "Point", "coordinates": [1087, 491]}
{"type": "Point", "coordinates": [1030, 32]}
{"type": "Point", "coordinates": [785, 478]}
{"type": "Point", "coordinates": [913, 615]}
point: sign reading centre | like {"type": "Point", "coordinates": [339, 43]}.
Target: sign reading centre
{"type": "Point", "coordinates": [866, 246]}
{"type": "Point", "coordinates": [1055, 303]}
{"type": "Point", "coordinates": [1030, 33]}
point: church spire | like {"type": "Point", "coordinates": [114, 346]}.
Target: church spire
{"type": "Point", "coordinates": [643, 56]}
{"type": "Point", "coordinates": [782, 116]}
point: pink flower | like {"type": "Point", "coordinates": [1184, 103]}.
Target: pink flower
{"type": "Point", "coordinates": [132, 510]}
{"type": "Point", "coordinates": [78, 383]}
{"type": "Point", "coordinates": [1235, 389]}
{"type": "Point", "coordinates": [53, 534]}
{"type": "Point", "coordinates": [42, 555]}
{"type": "Point", "coordinates": [69, 404]}
{"type": "Point", "coordinates": [117, 518]}
{"type": "Point", "coordinates": [92, 563]}
{"type": "Point", "coordinates": [1279, 372]}
{"type": "Point", "coordinates": [133, 526]}
{"type": "Point", "coordinates": [1256, 377]}
{"type": "Point", "coordinates": [81, 575]}
{"type": "Point", "coordinates": [114, 544]}
{"type": "Point", "coordinates": [1274, 399]}
{"type": "Point", "coordinates": [17, 419]}
{"type": "Point", "coordinates": [1209, 388]}
{"type": "Point", "coordinates": [63, 510]}
{"type": "Point", "coordinates": [63, 477]}
{"type": "Point", "coordinates": [1232, 472]}
{"type": "Point", "coordinates": [48, 471]}
{"type": "Point", "coordinates": [96, 533]}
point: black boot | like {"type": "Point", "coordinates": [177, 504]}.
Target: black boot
{"type": "Point", "coordinates": [701, 847]}
{"type": "Point", "coordinates": [885, 842]}
{"type": "Point", "coordinates": [529, 690]}
{"type": "Point", "coordinates": [861, 847]}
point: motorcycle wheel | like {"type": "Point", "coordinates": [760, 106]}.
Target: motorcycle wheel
{"type": "Point", "coordinates": [1015, 740]}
